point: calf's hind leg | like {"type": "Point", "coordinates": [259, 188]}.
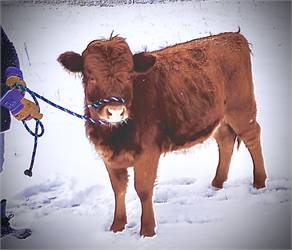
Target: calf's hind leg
{"type": "Point", "coordinates": [225, 138]}
{"type": "Point", "coordinates": [248, 129]}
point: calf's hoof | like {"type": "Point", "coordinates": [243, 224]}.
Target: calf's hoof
{"type": "Point", "coordinates": [118, 226]}
{"type": "Point", "coordinates": [260, 182]}
{"type": "Point", "coordinates": [217, 184]}
{"type": "Point", "coordinates": [147, 232]}
{"type": "Point", "coordinates": [259, 185]}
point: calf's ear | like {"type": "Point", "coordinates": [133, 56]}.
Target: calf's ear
{"type": "Point", "coordinates": [71, 61]}
{"type": "Point", "coordinates": [143, 62]}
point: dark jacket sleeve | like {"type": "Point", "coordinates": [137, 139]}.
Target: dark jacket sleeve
{"type": "Point", "coordinates": [8, 55]}
{"type": "Point", "coordinates": [8, 58]}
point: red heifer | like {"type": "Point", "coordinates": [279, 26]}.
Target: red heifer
{"type": "Point", "coordinates": [175, 98]}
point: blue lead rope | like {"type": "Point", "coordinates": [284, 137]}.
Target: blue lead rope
{"type": "Point", "coordinates": [36, 135]}
{"type": "Point", "coordinates": [39, 125]}
{"type": "Point", "coordinates": [83, 117]}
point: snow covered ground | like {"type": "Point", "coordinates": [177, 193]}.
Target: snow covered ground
{"type": "Point", "coordinates": [68, 203]}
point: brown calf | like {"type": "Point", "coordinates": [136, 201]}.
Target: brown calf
{"type": "Point", "coordinates": [175, 97]}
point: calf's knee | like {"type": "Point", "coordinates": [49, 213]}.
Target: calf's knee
{"type": "Point", "coordinates": [143, 194]}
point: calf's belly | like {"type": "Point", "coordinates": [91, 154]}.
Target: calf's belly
{"type": "Point", "coordinates": [193, 137]}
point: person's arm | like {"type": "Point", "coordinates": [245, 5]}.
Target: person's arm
{"type": "Point", "coordinates": [11, 97]}
{"type": "Point", "coordinates": [9, 62]}
{"type": "Point", "coordinates": [9, 58]}
{"type": "Point", "coordinates": [8, 53]}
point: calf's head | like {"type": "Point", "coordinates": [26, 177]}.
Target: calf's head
{"type": "Point", "coordinates": [108, 69]}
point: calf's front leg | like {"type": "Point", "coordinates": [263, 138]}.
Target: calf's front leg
{"type": "Point", "coordinates": [145, 170]}
{"type": "Point", "coordinates": [119, 180]}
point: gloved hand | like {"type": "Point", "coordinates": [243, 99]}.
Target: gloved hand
{"type": "Point", "coordinates": [13, 76]}
{"type": "Point", "coordinates": [20, 107]}
{"type": "Point", "coordinates": [29, 110]}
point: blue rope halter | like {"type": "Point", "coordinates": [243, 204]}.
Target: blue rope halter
{"type": "Point", "coordinates": [39, 124]}
{"type": "Point", "coordinates": [102, 102]}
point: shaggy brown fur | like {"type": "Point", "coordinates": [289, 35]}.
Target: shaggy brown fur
{"type": "Point", "coordinates": [176, 97]}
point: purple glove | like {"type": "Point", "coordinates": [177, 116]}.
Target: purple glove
{"type": "Point", "coordinates": [13, 71]}
{"type": "Point", "coordinates": [11, 100]}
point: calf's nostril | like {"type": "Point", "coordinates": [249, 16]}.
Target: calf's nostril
{"type": "Point", "coordinates": [109, 113]}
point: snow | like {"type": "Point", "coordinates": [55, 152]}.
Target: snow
{"type": "Point", "coordinates": [68, 203]}
{"type": "Point", "coordinates": [184, 207]}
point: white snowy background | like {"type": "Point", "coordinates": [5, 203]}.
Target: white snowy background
{"type": "Point", "coordinates": [68, 203]}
